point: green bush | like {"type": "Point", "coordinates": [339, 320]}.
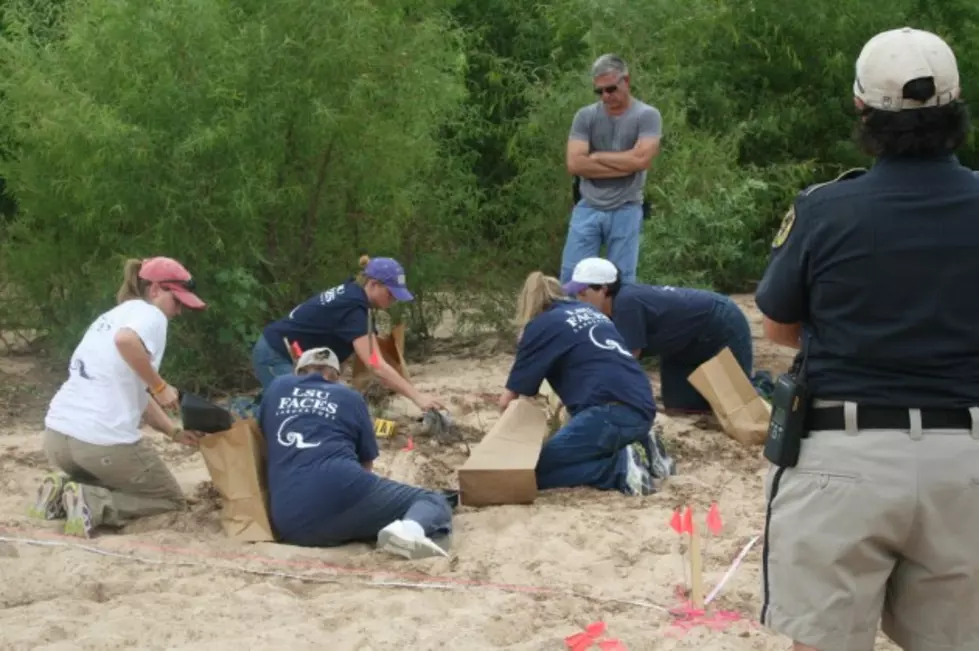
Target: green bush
{"type": "Point", "coordinates": [268, 145]}
{"type": "Point", "coordinates": [265, 145]}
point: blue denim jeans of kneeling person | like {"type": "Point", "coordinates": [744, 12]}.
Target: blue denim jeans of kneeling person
{"type": "Point", "coordinates": [727, 326]}
{"type": "Point", "coordinates": [619, 229]}
{"type": "Point", "coordinates": [386, 502]}
{"type": "Point", "coordinates": [267, 363]}
{"type": "Point", "coordinates": [592, 449]}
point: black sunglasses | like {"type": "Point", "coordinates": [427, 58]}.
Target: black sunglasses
{"type": "Point", "coordinates": [606, 89]}
{"type": "Point", "coordinates": [189, 285]}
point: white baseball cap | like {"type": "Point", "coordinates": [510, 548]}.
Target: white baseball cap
{"type": "Point", "coordinates": [591, 271]}
{"type": "Point", "coordinates": [318, 357]}
{"type": "Point", "coordinates": [893, 58]}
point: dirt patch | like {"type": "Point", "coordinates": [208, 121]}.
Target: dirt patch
{"type": "Point", "coordinates": [27, 385]}
{"type": "Point", "coordinates": [539, 558]}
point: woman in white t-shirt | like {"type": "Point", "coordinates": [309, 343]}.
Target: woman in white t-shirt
{"type": "Point", "coordinates": [109, 474]}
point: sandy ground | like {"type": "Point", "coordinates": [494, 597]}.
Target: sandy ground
{"type": "Point", "coordinates": [519, 577]}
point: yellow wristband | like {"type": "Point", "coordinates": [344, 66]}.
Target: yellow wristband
{"type": "Point", "coordinates": [160, 387]}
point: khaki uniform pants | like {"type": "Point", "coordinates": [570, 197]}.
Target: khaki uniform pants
{"type": "Point", "coordinates": [871, 527]}
{"type": "Point", "coordinates": [119, 482]}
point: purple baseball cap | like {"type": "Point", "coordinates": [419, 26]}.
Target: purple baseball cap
{"type": "Point", "coordinates": [391, 274]}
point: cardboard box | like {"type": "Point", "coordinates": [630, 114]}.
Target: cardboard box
{"type": "Point", "coordinates": [501, 470]}
{"type": "Point", "coordinates": [744, 415]}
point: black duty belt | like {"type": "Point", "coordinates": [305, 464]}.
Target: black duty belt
{"type": "Point", "coordinates": [831, 418]}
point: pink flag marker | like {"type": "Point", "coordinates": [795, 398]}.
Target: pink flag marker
{"type": "Point", "coordinates": [714, 524]}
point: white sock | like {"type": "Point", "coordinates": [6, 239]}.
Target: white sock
{"type": "Point", "coordinates": [413, 529]}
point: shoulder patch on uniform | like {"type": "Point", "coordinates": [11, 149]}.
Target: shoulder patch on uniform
{"type": "Point", "coordinates": [783, 231]}
{"type": "Point", "coordinates": [856, 172]}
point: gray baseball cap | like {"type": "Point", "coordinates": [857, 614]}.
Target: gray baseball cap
{"type": "Point", "coordinates": [318, 357]}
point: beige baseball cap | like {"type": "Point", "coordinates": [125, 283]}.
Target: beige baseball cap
{"type": "Point", "coordinates": [318, 357]}
{"type": "Point", "coordinates": [893, 58]}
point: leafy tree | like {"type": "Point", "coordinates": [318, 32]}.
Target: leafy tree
{"type": "Point", "coordinates": [266, 145]}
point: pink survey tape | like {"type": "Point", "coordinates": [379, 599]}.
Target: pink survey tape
{"type": "Point", "coordinates": [685, 618]}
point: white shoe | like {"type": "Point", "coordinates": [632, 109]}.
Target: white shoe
{"type": "Point", "coordinates": [406, 538]}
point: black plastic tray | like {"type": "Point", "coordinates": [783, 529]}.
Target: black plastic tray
{"type": "Point", "coordinates": [201, 415]}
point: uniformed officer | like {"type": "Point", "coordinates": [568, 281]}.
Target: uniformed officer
{"type": "Point", "coordinates": [874, 277]}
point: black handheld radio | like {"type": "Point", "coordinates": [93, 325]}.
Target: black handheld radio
{"type": "Point", "coordinates": [787, 428]}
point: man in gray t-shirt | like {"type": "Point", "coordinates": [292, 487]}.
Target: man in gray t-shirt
{"type": "Point", "coordinates": [611, 145]}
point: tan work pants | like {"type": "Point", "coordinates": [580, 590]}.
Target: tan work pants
{"type": "Point", "coordinates": [876, 526]}
{"type": "Point", "coordinates": [119, 482]}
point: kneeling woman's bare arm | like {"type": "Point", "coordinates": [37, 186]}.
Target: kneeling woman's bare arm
{"type": "Point", "coordinates": [133, 351]}
{"type": "Point", "coordinates": [156, 418]}
{"type": "Point", "coordinates": [390, 377]}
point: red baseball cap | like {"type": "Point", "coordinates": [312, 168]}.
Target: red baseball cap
{"type": "Point", "coordinates": [173, 277]}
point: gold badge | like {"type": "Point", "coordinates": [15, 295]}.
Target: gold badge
{"type": "Point", "coordinates": [783, 231]}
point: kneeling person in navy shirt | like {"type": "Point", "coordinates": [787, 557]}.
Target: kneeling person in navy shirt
{"type": "Point", "coordinates": [338, 319]}
{"type": "Point", "coordinates": [685, 327]}
{"type": "Point", "coordinates": [608, 443]}
{"type": "Point", "coordinates": [321, 448]}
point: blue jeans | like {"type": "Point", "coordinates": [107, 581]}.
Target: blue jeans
{"type": "Point", "coordinates": [726, 326]}
{"type": "Point", "coordinates": [267, 363]}
{"type": "Point", "coordinates": [618, 229]}
{"type": "Point", "coordinates": [591, 450]}
{"type": "Point", "coordinates": [386, 502]}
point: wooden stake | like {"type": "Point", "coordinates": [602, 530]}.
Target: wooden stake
{"type": "Point", "coordinates": [398, 335]}
{"type": "Point", "coordinates": [696, 569]}
{"type": "Point", "coordinates": [678, 548]}
{"type": "Point", "coordinates": [370, 333]}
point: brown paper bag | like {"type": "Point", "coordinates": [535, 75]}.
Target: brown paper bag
{"type": "Point", "coordinates": [391, 348]}
{"type": "Point", "coordinates": [235, 459]}
{"type": "Point", "coordinates": [744, 415]}
{"type": "Point", "coordinates": [502, 468]}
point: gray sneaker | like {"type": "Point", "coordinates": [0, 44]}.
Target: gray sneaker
{"type": "Point", "coordinates": [49, 504]}
{"type": "Point", "coordinates": [638, 480]}
{"type": "Point", "coordinates": [78, 520]}
{"type": "Point", "coordinates": [662, 464]}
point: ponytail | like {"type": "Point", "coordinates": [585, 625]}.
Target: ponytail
{"type": "Point", "coordinates": [539, 292]}
{"type": "Point", "coordinates": [361, 278]}
{"type": "Point", "coordinates": [133, 287]}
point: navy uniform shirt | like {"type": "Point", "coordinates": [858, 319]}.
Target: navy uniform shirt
{"type": "Point", "coordinates": [582, 356]}
{"type": "Point", "coordinates": [661, 320]}
{"type": "Point", "coordinates": [882, 270]}
{"type": "Point", "coordinates": [317, 435]}
{"type": "Point", "coordinates": [332, 319]}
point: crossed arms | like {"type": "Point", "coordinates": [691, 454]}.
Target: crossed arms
{"type": "Point", "coordinates": [610, 164]}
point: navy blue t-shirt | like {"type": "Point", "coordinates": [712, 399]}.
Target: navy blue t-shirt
{"type": "Point", "coordinates": [334, 319]}
{"type": "Point", "coordinates": [661, 320]}
{"type": "Point", "coordinates": [582, 356]}
{"type": "Point", "coordinates": [317, 435]}
{"type": "Point", "coordinates": [880, 269]}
